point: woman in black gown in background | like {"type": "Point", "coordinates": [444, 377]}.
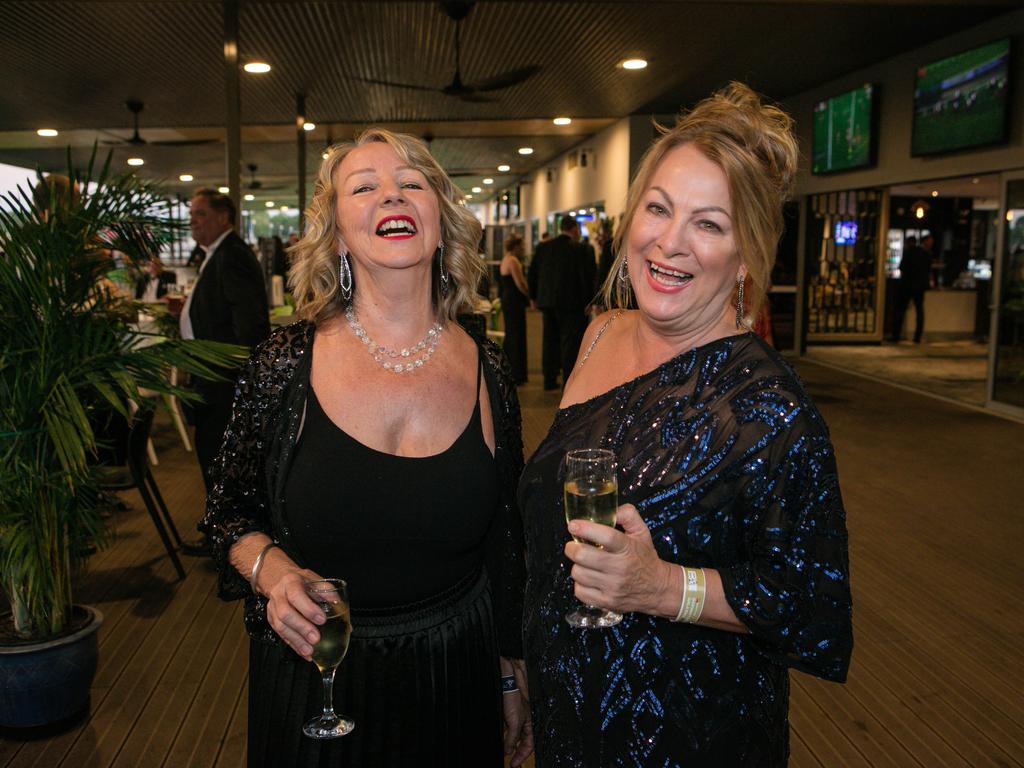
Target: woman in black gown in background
{"type": "Point", "coordinates": [377, 442]}
{"type": "Point", "coordinates": [514, 300]}
{"type": "Point", "coordinates": [726, 474]}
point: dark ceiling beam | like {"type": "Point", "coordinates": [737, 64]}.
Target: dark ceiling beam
{"type": "Point", "coordinates": [300, 141]}
{"type": "Point", "coordinates": [233, 111]}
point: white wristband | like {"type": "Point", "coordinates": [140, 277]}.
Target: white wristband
{"type": "Point", "coordinates": [694, 591]}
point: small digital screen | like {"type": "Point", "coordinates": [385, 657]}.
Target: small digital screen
{"type": "Point", "coordinates": [844, 131]}
{"type": "Point", "coordinates": [961, 101]}
{"type": "Point", "coordinates": [846, 232]}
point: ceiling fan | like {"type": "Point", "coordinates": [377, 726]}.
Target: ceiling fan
{"type": "Point", "coordinates": [457, 10]}
{"type": "Point", "coordinates": [255, 184]}
{"type": "Point", "coordinates": [135, 107]}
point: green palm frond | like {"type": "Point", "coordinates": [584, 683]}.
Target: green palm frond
{"type": "Point", "coordinates": [68, 352]}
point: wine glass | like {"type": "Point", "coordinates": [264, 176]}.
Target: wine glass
{"type": "Point", "coordinates": [332, 597]}
{"type": "Point", "coordinates": [591, 493]}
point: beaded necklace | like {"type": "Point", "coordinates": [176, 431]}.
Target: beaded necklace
{"type": "Point", "coordinates": [386, 357]}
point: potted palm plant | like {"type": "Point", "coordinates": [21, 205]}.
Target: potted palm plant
{"type": "Point", "coordinates": [69, 350]}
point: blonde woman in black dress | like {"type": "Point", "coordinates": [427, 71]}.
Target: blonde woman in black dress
{"type": "Point", "coordinates": [377, 442]}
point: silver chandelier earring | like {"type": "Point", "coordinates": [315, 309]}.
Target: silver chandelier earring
{"type": "Point", "coordinates": [623, 272]}
{"type": "Point", "coordinates": [345, 277]}
{"type": "Point", "coordinates": [442, 272]}
{"type": "Point", "coordinates": [739, 302]}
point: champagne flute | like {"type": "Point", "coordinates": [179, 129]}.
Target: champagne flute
{"type": "Point", "coordinates": [332, 597]}
{"type": "Point", "coordinates": [591, 493]}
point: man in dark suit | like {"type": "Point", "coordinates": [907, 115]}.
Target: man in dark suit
{"type": "Point", "coordinates": [561, 282]}
{"type": "Point", "coordinates": [228, 303]}
{"type": "Point", "coordinates": [915, 278]}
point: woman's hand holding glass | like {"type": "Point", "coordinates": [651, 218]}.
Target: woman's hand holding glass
{"type": "Point", "coordinates": [624, 573]}
{"type": "Point", "coordinates": [292, 614]}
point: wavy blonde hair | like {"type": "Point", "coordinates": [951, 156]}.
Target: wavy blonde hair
{"type": "Point", "coordinates": [753, 143]}
{"type": "Point", "coordinates": [314, 278]}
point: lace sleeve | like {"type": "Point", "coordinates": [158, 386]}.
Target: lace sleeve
{"type": "Point", "coordinates": [793, 593]}
{"type": "Point", "coordinates": [505, 560]}
{"type": "Point", "coordinates": [239, 503]}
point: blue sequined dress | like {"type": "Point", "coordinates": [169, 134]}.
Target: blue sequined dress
{"type": "Point", "coordinates": [731, 467]}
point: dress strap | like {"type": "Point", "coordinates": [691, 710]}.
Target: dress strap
{"type": "Point", "coordinates": [597, 338]}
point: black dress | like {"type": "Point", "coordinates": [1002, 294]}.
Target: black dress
{"type": "Point", "coordinates": [731, 467]}
{"type": "Point", "coordinates": [431, 548]}
{"type": "Point", "coordinates": [513, 310]}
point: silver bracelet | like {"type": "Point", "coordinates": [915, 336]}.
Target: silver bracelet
{"type": "Point", "coordinates": [256, 566]}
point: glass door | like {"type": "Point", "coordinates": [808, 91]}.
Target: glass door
{"type": "Point", "coordinates": [1006, 354]}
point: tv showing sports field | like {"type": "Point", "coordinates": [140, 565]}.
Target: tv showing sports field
{"type": "Point", "coordinates": [961, 102]}
{"type": "Point", "coordinates": [844, 131]}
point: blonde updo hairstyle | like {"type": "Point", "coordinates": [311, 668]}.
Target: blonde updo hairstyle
{"type": "Point", "coordinates": [753, 143]}
{"type": "Point", "coordinates": [314, 278]}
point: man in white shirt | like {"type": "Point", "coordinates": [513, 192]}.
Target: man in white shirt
{"type": "Point", "coordinates": [228, 303]}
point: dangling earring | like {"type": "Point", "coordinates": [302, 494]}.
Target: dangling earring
{"type": "Point", "coordinates": [345, 277]}
{"type": "Point", "coordinates": [623, 272]}
{"type": "Point", "coordinates": [739, 302]}
{"type": "Point", "coordinates": [443, 273]}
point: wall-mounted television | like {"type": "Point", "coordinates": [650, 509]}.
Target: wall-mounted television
{"type": "Point", "coordinates": [846, 232]}
{"type": "Point", "coordinates": [962, 102]}
{"type": "Point", "coordinates": [845, 127]}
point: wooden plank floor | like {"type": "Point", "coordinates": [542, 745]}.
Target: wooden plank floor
{"type": "Point", "coordinates": [933, 497]}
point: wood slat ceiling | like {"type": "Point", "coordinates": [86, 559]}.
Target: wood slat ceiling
{"type": "Point", "coordinates": [72, 64]}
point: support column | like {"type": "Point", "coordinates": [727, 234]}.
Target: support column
{"type": "Point", "coordinates": [300, 141]}
{"type": "Point", "coordinates": [233, 117]}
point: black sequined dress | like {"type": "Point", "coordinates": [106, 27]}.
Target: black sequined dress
{"type": "Point", "coordinates": [421, 676]}
{"type": "Point", "coordinates": [731, 467]}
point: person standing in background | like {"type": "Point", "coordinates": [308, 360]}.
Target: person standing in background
{"type": "Point", "coordinates": [152, 285]}
{"type": "Point", "coordinates": [561, 282]}
{"type": "Point", "coordinates": [915, 279]}
{"type": "Point", "coordinates": [229, 304]}
{"type": "Point", "coordinates": [514, 298]}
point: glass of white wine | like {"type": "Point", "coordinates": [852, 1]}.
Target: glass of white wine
{"type": "Point", "coordinates": [591, 493]}
{"type": "Point", "coordinates": [332, 597]}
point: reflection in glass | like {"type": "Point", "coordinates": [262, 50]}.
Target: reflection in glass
{"type": "Point", "coordinates": [1008, 382]}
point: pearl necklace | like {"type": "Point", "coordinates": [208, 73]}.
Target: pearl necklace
{"type": "Point", "coordinates": [385, 357]}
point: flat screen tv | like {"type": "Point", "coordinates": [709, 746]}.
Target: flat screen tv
{"type": "Point", "coordinates": [962, 101]}
{"type": "Point", "coordinates": [846, 232]}
{"type": "Point", "coordinates": [844, 131]}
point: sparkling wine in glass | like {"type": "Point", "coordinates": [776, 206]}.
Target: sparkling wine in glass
{"type": "Point", "coordinates": [591, 493]}
{"type": "Point", "coordinates": [332, 597]}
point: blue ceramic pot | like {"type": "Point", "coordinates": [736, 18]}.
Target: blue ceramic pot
{"type": "Point", "coordinates": [49, 681]}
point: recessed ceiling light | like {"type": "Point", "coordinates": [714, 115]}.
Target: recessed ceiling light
{"type": "Point", "coordinates": [935, 193]}
{"type": "Point", "coordinates": [250, 198]}
{"type": "Point", "coordinates": [186, 177]}
{"type": "Point", "coordinates": [223, 190]}
{"type": "Point", "coordinates": [325, 155]}
{"type": "Point", "coordinates": [257, 67]}
{"type": "Point", "coordinates": [634, 64]}
{"type": "Point", "coordinates": [488, 181]}
{"type": "Point", "coordinates": [136, 161]}
{"type": "Point", "coordinates": [504, 168]}
{"type": "Point", "coordinates": [525, 150]}
{"type": "Point", "coordinates": [504, 197]}
{"type": "Point", "coordinates": [47, 132]}
{"type": "Point", "coordinates": [562, 121]}
{"type": "Point", "coordinates": [477, 190]}
{"type": "Point", "coordinates": [307, 126]}
{"type": "Point", "coordinates": [469, 197]}
{"type": "Point", "coordinates": [975, 181]}
{"type": "Point", "coordinates": [283, 209]}
{"type": "Point", "coordinates": [270, 203]}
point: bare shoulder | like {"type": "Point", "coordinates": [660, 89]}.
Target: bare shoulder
{"type": "Point", "coordinates": [601, 326]}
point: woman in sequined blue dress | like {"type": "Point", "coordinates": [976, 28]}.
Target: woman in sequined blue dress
{"type": "Point", "coordinates": [724, 465]}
